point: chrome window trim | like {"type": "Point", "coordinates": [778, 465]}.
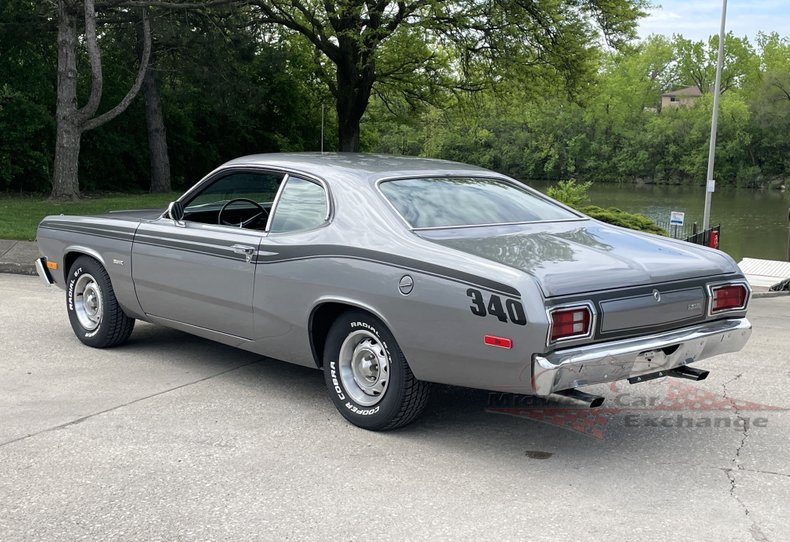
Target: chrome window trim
{"type": "Point", "coordinates": [466, 226]}
{"type": "Point", "coordinates": [507, 180]}
{"type": "Point", "coordinates": [275, 202]}
{"type": "Point", "coordinates": [221, 173]}
{"type": "Point", "coordinates": [575, 338]}
{"type": "Point", "coordinates": [258, 168]}
{"type": "Point", "coordinates": [712, 285]}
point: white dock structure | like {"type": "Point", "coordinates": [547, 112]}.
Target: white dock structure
{"type": "Point", "coordinates": [764, 273]}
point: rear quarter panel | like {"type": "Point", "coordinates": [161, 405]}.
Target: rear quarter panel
{"type": "Point", "coordinates": [434, 325]}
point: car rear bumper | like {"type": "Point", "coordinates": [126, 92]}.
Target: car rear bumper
{"type": "Point", "coordinates": [43, 272]}
{"type": "Point", "coordinates": [618, 360]}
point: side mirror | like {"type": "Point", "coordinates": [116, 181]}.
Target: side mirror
{"type": "Point", "coordinates": [176, 211]}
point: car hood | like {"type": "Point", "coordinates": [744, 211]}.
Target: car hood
{"type": "Point", "coordinates": [584, 256]}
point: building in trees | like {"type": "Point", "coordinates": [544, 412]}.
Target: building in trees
{"type": "Point", "coordinates": [684, 97]}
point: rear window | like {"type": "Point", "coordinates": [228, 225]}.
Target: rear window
{"type": "Point", "coordinates": [468, 201]}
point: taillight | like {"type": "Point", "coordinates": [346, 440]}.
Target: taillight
{"type": "Point", "coordinates": [569, 323]}
{"type": "Point", "coordinates": [728, 297]}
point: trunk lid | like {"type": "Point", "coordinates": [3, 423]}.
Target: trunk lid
{"type": "Point", "coordinates": [581, 256]}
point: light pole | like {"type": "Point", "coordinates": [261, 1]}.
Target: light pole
{"type": "Point", "coordinates": [710, 184]}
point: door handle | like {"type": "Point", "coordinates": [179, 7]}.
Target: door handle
{"type": "Point", "coordinates": [247, 250]}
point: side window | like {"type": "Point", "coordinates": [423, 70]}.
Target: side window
{"type": "Point", "coordinates": [260, 187]}
{"type": "Point", "coordinates": [302, 206]}
{"type": "Point", "coordinates": [241, 199]}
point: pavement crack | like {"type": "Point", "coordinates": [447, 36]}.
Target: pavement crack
{"type": "Point", "coordinates": [138, 400]}
{"type": "Point", "coordinates": [755, 471]}
{"type": "Point", "coordinates": [754, 529]}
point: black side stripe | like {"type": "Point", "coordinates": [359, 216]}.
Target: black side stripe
{"type": "Point", "coordinates": [119, 236]}
{"type": "Point", "coordinates": [88, 225]}
{"type": "Point", "coordinates": [197, 245]}
{"type": "Point", "coordinates": [287, 254]}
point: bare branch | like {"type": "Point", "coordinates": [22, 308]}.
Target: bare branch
{"type": "Point", "coordinates": [94, 55]}
{"type": "Point", "coordinates": [123, 104]}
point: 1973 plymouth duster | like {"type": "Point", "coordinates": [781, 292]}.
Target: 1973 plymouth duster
{"type": "Point", "coordinates": [391, 273]}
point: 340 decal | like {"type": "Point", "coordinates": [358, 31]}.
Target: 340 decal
{"type": "Point", "coordinates": [512, 309]}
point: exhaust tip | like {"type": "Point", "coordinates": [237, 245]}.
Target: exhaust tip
{"type": "Point", "coordinates": [689, 373]}
{"type": "Point", "coordinates": [592, 401]}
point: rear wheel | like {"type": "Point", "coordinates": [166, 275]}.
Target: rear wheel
{"type": "Point", "coordinates": [95, 315]}
{"type": "Point", "coordinates": [368, 377]}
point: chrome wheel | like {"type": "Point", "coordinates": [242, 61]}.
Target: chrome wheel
{"type": "Point", "coordinates": [364, 367]}
{"type": "Point", "coordinates": [88, 302]}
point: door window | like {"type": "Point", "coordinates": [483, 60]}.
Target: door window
{"type": "Point", "coordinates": [252, 192]}
{"type": "Point", "coordinates": [260, 187]}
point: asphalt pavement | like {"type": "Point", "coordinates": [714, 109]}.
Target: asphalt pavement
{"type": "Point", "coordinates": [172, 437]}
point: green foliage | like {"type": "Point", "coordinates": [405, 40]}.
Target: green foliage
{"type": "Point", "coordinates": [490, 84]}
{"type": "Point", "coordinates": [616, 130]}
{"type": "Point", "coordinates": [570, 193]}
{"type": "Point", "coordinates": [27, 96]}
{"type": "Point", "coordinates": [615, 216]}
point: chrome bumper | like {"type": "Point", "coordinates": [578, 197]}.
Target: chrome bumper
{"type": "Point", "coordinates": [618, 360]}
{"type": "Point", "coordinates": [43, 272]}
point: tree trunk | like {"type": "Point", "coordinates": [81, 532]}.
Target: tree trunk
{"type": "Point", "coordinates": [65, 183]}
{"type": "Point", "coordinates": [71, 120]}
{"type": "Point", "coordinates": [353, 92]}
{"type": "Point", "coordinates": [157, 135]}
{"type": "Point", "coordinates": [65, 180]}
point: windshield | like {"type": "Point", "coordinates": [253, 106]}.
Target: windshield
{"type": "Point", "coordinates": [468, 201]}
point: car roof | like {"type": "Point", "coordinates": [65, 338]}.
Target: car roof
{"type": "Point", "coordinates": [359, 166]}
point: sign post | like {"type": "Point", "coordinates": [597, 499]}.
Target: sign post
{"type": "Point", "coordinates": [676, 219]}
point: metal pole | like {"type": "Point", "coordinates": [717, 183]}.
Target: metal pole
{"type": "Point", "coordinates": [710, 184]}
{"type": "Point", "coordinates": [322, 128]}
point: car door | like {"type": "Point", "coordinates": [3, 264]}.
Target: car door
{"type": "Point", "coordinates": [288, 276]}
{"type": "Point", "coordinates": [201, 273]}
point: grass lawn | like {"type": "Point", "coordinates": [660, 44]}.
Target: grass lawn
{"type": "Point", "coordinates": [19, 215]}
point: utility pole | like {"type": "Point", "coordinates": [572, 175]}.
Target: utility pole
{"type": "Point", "coordinates": [710, 184]}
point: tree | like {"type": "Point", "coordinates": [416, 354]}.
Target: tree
{"type": "Point", "coordinates": [697, 62]}
{"type": "Point", "coordinates": [27, 95]}
{"type": "Point", "coordinates": [73, 120]}
{"type": "Point", "coordinates": [769, 104]}
{"type": "Point", "coordinates": [358, 42]}
{"type": "Point", "coordinates": [158, 157]}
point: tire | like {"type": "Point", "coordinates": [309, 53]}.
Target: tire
{"type": "Point", "coordinates": [367, 375]}
{"type": "Point", "coordinates": [95, 315]}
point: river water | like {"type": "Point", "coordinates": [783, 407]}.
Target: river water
{"type": "Point", "coordinates": [754, 223]}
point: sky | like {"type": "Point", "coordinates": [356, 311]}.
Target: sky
{"type": "Point", "coordinates": [697, 20]}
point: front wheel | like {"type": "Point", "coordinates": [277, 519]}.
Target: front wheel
{"type": "Point", "coordinates": [95, 315]}
{"type": "Point", "coordinates": [368, 377]}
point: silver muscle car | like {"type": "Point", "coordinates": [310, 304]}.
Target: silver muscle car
{"type": "Point", "coordinates": [391, 273]}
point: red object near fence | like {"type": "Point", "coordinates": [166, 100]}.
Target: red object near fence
{"type": "Point", "coordinates": [714, 239]}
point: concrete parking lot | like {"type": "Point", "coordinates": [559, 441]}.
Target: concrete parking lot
{"type": "Point", "coordinates": [172, 437]}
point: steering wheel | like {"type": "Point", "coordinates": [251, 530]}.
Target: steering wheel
{"type": "Point", "coordinates": [243, 223]}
